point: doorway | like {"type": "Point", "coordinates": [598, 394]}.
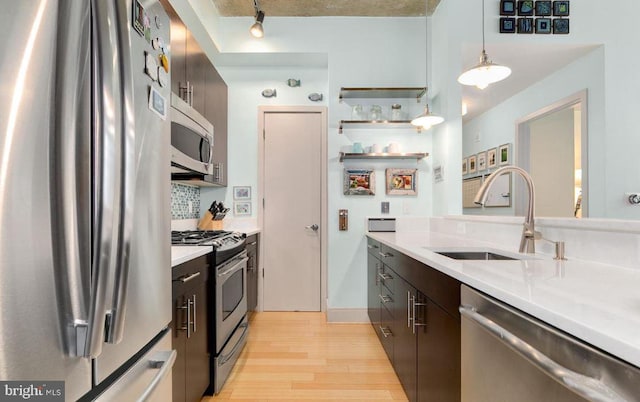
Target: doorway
{"type": "Point", "coordinates": [552, 147]}
{"type": "Point", "coordinates": [293, 190]}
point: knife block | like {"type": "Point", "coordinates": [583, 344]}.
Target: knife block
{"type": "Point", "coordinates": [207, 222]}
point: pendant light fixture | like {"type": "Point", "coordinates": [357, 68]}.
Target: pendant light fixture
{"type": "Point", "coordinates": [427, 119]}
{"type": "Point", "coordinates": [486, 72]}
{"type": "Point", "coordinates": [256, 29]}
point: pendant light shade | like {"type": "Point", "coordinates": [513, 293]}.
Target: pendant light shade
{"type": "Point", "coordinates": [486, 72]}
{"type": "Point", "coordinates": [427, 119]}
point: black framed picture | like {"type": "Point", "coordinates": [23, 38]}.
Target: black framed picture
{"type": "Point", "coordinates": [544, 8]}
{"type": "Point", "coordinates": [561, 26]}
{"type": "Point", "coordinates": [561, 8]}
{"type": "Point", "coordinates": [525, 7]}
{"type": "Point", "coordinates": [507, 7]}
{"type": "Point", "coordinates": [507, 25]}
{"type": "Point", "coordinates": [543, 25]}
{"type": "Point", "coordinates": [525, 25]}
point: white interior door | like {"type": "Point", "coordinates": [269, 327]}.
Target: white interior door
{"type": "Point", "coordinates": [292, 211]}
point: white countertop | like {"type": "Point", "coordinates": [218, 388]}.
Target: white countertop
{"type": "Point", "coordinates": [181, 254]}
{"type": "Point", "coordinates": [597, 303]}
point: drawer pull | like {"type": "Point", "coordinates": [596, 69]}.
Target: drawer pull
{"type": "Point", "coordinates": [187, 278]}
{"type": "Point", "coordinates": [385, 255]}
{"type": "Point", "coordinates": [385, 299]}
{"type": "Point", "coordinates": [384, 277]}
{"type": "Point", "coordinates": [371, 246]}
{"type": "Point", "coordinates": [386, 332]}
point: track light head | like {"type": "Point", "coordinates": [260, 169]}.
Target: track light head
{"type": "Point", "coordinates": [256, 29]}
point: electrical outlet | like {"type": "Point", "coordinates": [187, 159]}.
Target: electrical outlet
{"type": "Point", "coordinates": [384, 207]}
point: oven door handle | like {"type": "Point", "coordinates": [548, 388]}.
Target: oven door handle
{"type": "Point", "coordinates": [236, 267]}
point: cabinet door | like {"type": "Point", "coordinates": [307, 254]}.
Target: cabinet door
{"type": "Point", "coordinates": [178, 56]}
{"type": "Point", "coordinates": [216, 110]}
{"type": "Point", "coordinates": [179, 337]}
{"type": "Point", "coordinates": [404, 343]}
{"type": "Point", "coordinates": [197, 353]}
{"type": "Point", "coordinates": [373, 291]}
{"type": "Point", "coordinates": [438, 355]}
{"type": "Point", "coordinates": [196, 64]}
{"type": "Point", "coordinates": [252, 273]}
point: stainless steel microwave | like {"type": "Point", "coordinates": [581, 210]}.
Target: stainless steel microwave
{"type": "Point", "coordinates": [191, 141]}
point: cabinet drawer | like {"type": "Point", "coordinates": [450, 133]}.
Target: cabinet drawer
{"type": "Point", "coordinates": [386, 279]}
{"type": "Point", "coordinates": [373, 247]}
{"type": "Point", "coordinates": [440, 288]}
{"type": "Point", "coordinates": [196, 270]}
{"type": "Point", "coordinates": [384, 331]}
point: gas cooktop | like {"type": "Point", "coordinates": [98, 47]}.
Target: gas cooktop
{"type": "Point", "coordinates": [223, 242]}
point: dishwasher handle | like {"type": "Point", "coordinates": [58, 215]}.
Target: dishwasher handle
{"type": "Point", "coordinates": [583, 385]}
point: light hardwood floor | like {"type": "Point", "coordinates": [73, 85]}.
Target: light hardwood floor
{"type": "Point", "coordinates": [299, 356]}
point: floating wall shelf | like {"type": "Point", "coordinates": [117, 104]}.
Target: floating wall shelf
{"type": "Point", "coordinates": [378, 93]}
{"type": "Point", "coordinates": [416, 156]}
{"type": "Point", "coordinates": [378, 124]}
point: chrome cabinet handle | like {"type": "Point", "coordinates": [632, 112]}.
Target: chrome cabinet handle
{"type": "Point", "coordinates": [385, 255]}
{"type": "Point", "coordinates": [414, 318]}
{"type": "Point", "coordinates": [408, 309]}
{"type": "Point", "coordinates": [386, 332]}
{"type": "Point", "coordinates": [195, 317]}
{"type": "Point", "coordinates": [385, 299]}
{"type": "Point", "coordinates": [187, 327]}
{"type": "Point", "coordinates": [164, 362]}
{"type": "Point", "coordinates": [585, 386]}
{"type": "Point", "coordinates": [384, 277]}
{"type": "Point", "coordinates": [185, 279]}
{"type": "Point", "coordinates": [372, 246]}
{"type": "Point", "coordinates": [253, 243]}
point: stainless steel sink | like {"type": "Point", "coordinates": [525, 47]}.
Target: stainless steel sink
{"type": "Point", "coordinates": [474, 255]}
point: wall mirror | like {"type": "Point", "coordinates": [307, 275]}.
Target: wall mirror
{"type": "Point", "coordinates": [568, 111]}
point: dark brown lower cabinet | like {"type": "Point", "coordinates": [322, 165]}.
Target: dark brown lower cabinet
{"type": "Point", "coordinates": [422, 321]}
{"type": "Point", "coordinates": [252, 272]}
{"type": "Point", "coordinates": [189, 329]}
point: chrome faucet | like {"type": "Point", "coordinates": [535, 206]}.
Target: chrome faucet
{"type": "Point", "coordinates": [529, 234]}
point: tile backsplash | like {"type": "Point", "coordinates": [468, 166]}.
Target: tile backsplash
{"type": "Point", "coordinates": [181, 198]}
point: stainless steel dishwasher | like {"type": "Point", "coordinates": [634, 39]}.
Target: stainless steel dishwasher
{"type": "Point", "coordinates": [509, 356]}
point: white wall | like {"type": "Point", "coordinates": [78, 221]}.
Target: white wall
{"type": "Point", "coordinates": [613, 122]}
{"type": "Point", "coordinates": [498, 125]}
{"type": "Point", "coordinates": [360, 52]}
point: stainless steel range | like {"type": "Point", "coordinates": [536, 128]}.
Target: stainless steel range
{"type": "Point", "coordinates": [227, 320]}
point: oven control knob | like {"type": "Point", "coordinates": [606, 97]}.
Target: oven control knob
{"type": "Point", "coordinates": [216, 243]}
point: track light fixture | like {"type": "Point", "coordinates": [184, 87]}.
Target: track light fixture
{"type": "Point", "coordinates": [256, 29]}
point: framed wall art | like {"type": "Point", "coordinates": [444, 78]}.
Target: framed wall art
{"type": "Point", "coordinates": [482, 161]}
{"type": "Point", "coordinates": [561, 8]}
{"type": "Point", "coordinates": [242, 192]}
{"type": "Point", "coordinates": [464, 166]}
{"type": "Point", "coordinates": [543, 25]}
{"type": "Point", "coordinates": [492, 158]}
{"type": "Point", "coordinates": [472, 164]}
{"type": "Point", "coordinates": [504, 154]}
{"type": "Point", "coordinates": [507, 7]}
{"type": "Point", "coordinates": [401, 181]}
{"type": "Point", "coordinates": [544, 8]}
{"type": "Point", "coordinates": [241, 208]}
{"type": "Point", "coordinates": [359, 182]}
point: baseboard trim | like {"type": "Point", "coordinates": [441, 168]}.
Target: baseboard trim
{"type": "Point", "coordinates": [348, 315]}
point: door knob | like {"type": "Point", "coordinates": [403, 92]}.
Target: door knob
{"type": "Point", "coordinates": [313, 227]}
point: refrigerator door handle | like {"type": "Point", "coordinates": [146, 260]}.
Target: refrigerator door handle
{"type": "Point", "coordinates": [108, 109]}
{"type": "Point", "coordinates": [164, 362]}
{"type": "Point", "coordinates": [116, 316]}
{"type": "Point", "coordinates": [71, 179]}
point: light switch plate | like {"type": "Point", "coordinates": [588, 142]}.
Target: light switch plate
{"type": "Point", "coordinates": [384, 207]}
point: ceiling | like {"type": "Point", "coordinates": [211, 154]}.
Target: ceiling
{"type": "Point", "coordinates": [327, 8]}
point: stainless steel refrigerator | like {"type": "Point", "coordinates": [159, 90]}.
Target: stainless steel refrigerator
{"type": "Point", "coordinates": [85, 273]}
